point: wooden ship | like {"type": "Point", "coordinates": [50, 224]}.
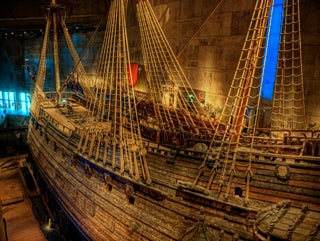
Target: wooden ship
{"type": "Point", "coordinates": [247, 183]}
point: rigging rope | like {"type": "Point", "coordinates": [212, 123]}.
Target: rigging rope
{"type": "Point", "coordinates": [289, 105]}
{"type": "Point", "coordinates": [241, 108]}
{"type": "Point", "coordinates": [169, 88]}
{"type": "Point", "coordinates": [244, 109]}
{"type": "Point", "coordinates": [115, 100]}
{"type": "Point", "coordinates": [80, 71]}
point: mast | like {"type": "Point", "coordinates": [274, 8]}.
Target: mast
{"type": "Point", "coordinates": [53, 18]}
{"type": "Point", "coordinates": [55, 8]}
{"type": "Point", "coordinates": [38, 95]}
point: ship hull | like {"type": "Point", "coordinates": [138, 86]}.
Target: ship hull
{"type": "Point", "coordinates": [117, 208]}
{"type": "Point", "coordinates": [107, 205]}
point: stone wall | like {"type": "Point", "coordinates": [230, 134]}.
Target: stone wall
{"type": "Point", "coordinates": [310, 37]}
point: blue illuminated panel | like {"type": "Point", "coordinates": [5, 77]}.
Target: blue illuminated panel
{"type": "Point", "coordinates": [272, 49]}
{"type": "Point", "coordinates": [15, 103]}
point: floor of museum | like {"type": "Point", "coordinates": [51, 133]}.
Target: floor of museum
{"type": "Point", "coordinates": [17, 212]}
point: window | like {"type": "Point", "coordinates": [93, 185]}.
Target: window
{"type": "Point", "coordinates": [25, 101]}
{"type": "Point", "coordinates": [238, 191]}
{"type": "Point", "coordinates": [1, 100]}
{"type": "Point", "coordinates": [5, 101]}
{"type": "Point", "coordinates": [12, 101]}
{"type": "Point", "coordinates": [273, 37]}
{"type": "Point", "coordinates": [15, 102]}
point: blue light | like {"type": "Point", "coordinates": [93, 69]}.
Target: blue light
{"type": "Point", "coordinates": [272, 48]}
{"type": "Point", "coordinates": [15, 103]}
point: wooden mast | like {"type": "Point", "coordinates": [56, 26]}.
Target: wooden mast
{"type": "Point", "coordinates": [55, 7]}
{"type": "Point", "coordinates": [38, 94]}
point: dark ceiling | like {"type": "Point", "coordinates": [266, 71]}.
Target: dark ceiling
{"type": "Point", "coordinates": [26, 18]}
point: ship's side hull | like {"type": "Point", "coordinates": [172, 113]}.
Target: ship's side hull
{"type": "Point", "coordinates": [107, 206]}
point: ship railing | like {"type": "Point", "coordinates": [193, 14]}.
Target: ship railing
{"type": "Point", "coordinates": [301, 142]}
{"type": "Point", "coordinates": [264, 152]}
{"type": "Point", "coordinates": [50, 117]}
{"type": "Point", "coordinates": [171, 151]}
{"type": "Point", "coordinates": [52, 96]}
{"type": "Point", "coordinates": [281, 133]}
{"type": "Point", "coordinates": [63, 127]}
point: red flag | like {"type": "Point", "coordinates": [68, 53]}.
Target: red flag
{"type": "Point", "coordinates": [134, 78]}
